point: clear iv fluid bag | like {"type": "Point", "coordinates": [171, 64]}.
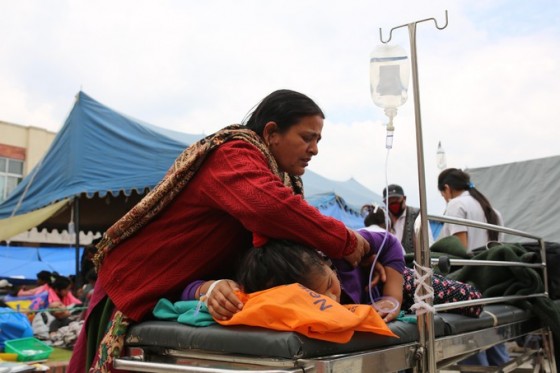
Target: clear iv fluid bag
{"type": "Point", "coordinates": [389, 74]}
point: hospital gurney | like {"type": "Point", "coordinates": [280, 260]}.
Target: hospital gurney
{"type": "Point", "coordinates": [443, 338]}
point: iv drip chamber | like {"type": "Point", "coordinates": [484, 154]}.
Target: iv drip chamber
{"type": "Point", "coordinates": [389, 75]}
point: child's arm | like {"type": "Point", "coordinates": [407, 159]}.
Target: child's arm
{"type": "Point", "coordinates": [219, 296]}
{"type": "Point", "coordinates": [393, 287]}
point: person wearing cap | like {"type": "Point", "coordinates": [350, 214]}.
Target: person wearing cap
{"type": "Point", "coordinates": [402, 217]}
{"type": "Point", "coordinates": [5, 284]}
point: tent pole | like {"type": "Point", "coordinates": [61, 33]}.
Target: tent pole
{"type": "Point", "coordinates": [77, 232]}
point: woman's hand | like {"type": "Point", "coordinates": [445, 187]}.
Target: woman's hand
{"type": "Point", "coordinates": [221, 301]}
{"type": "Point", "coordinates": [362, 248]}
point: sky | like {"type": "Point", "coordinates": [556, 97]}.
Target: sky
{"type": "Point", "coordinates": [488, 83]}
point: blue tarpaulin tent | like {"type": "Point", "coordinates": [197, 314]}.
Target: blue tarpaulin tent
{"type": "Point", "coordinates": [26, 262]}
{"type": "Point", "coordinates": [102, 162]}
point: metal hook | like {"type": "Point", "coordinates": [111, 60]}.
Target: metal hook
{"type": "Point", "coordinates": [408, 24]}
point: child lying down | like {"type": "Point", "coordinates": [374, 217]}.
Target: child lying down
{"type": "Point", "coordinates": [279, 262]}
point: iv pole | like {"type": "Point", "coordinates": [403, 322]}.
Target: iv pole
{"type": "Point", "coordinates": [425, 352]}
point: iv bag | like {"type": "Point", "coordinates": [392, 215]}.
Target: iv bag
{"type": "Point", "coordinates": [389, 74]}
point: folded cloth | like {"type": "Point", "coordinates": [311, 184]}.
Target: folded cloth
{"type": "Point", "coordinates": [191, 312]}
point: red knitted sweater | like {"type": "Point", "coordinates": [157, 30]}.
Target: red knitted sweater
{"type": "Point", "coordinates": [204, 231]}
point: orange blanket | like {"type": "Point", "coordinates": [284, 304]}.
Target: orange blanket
{"type": "Point", "coordinates": [296, 308]}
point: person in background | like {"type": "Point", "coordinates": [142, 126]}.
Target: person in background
{"type": "Point", "coordinates": [238, 183]}
{"type": "Point", "coordinates": [86, 263]}
{"type": "Point", "coordinates": [86, 292]}
{"type": "Point", "coordinates": [466, 202]}
{"type": "Point", "coordinates": [44, 280]}
{"type": "Point", "coordinates": [402, 217]}
{"type": "Point", "coordinates": [60, 291]}
{"type": "Point", "coordinates": [375, 218]}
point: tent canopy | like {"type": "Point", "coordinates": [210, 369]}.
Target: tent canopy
{"type": "Point", "coordinates": [526, 194]}
{"type": "Point", "coordinates": [108, 161]}
{"type": "Point", "coordinates": [26, 262]}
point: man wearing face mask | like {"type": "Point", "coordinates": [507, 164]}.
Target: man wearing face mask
{"type": "Point", "coordinates": [403, 217]}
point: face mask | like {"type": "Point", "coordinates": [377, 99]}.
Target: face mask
{"type": "Point", "coordinates": [396, 208]}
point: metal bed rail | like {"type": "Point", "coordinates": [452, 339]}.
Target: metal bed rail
{"type": "Point", "coordinates": [437, 352]}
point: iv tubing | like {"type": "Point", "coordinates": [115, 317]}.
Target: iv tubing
{"type": "Point", "coordinates": [370, 278]}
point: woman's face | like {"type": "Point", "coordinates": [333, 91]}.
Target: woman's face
{"type": "Point", "coordinates": [63, 292]}
{"type": "Point", "coordinates": [294, 148]}
{"type": "Point", "coordinates": [328, 284]}
{"type": "Point", "coordinates": [446, 193]}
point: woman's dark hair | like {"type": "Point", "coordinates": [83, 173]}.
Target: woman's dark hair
{"type": "Point", "coordinates": [277, 263]}
{"type": "Point", "coordinates": [91, 275]}
{"type": "Point", "coordinates": [374, 215]}
{"type": "Point", "coordinates": [460, 180]}
{"type": "Point", "coordinates": [61, 283]}
{"type": "Point", "coordinates": [45, 276]}
{"type": "Point", "coordinates": [284, 107]}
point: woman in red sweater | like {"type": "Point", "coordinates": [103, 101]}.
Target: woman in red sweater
{"type": "Point", "coordinates": [221, 194]}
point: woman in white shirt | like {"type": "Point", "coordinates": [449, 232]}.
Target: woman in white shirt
{"type": "Point", "coordinates": [466, 202]}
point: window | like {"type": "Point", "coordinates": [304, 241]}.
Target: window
{"type": "Point", "coordinates": [11, 173]}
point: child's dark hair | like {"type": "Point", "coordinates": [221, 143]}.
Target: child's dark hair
{"type": "Point", "coordinates": [61, 283]}
{"type": "Point", "coordinates": [45, 276]}
{"type": "Point", "coordinates": [460, 180]}
{"type": "Point", "coordinates": [374, 215]}
{"type": "Point", "coordinates": [279, 262]}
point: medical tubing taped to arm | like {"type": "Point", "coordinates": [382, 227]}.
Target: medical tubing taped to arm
{"type": "Point", "coordinates": [203, 298]}
{"type": "Point", "coordinates": [423, 282]}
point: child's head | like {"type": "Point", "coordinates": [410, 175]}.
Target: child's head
{"type": "Point", "coordinates": [62, 286]}
{"type": "Point", "coordinates": [44, 277]}
{"type": "Point", "coordinates": [374, 215]}
{"type": "Point", "coordinates": [284, 262]}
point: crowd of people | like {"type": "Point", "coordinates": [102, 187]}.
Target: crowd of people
{"type": "Point", "coordinates": [54, 309]}
{"type": "Point", "coordinates": [230, 215]}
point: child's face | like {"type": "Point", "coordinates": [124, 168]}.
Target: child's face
{"type": "Point", "coordinates": [328, 284]}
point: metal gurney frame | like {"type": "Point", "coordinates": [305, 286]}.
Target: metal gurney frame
{"type": "Point", "coordinates": [441, 339]}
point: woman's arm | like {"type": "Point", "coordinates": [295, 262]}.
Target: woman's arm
{"type": "Point", "coordinates": [240, 183]}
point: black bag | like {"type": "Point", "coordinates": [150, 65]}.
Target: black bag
{"type": "Point", "coordinates": [552, 265]}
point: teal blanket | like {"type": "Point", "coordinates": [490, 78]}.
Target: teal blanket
{"type": "Point", "coordinates": [190, 312]}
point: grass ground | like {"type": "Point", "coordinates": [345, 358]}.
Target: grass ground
{"type": "Point", "coordinates": [60, 354]}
